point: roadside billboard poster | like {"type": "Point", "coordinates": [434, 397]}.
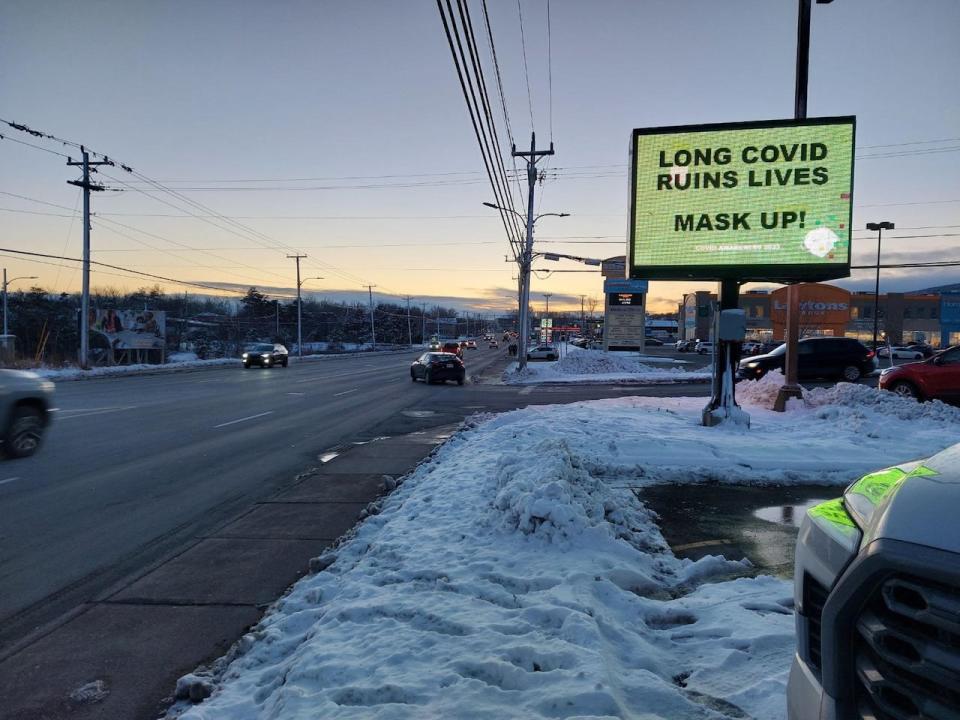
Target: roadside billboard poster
{"type": "Point", "coordinates": [766, 200]}
{"type": "Point", "coordinates": [624, 285]}
{"type": "Point", "coordinates": [130, 329]}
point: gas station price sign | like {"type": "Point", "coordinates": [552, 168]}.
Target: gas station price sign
{"type": "Point", "coordinates": [624, 299]}
{"type": "Point", "coordinates": [748, 201]}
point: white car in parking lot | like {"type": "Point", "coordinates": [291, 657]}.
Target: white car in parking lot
{"type": "Point", "coordinates": [542, 352]}
{"type": "Point", "coordinates": [704, 347]}
{"type": "Point", "coordinates": [899, 353]}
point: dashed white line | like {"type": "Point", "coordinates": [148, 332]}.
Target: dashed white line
{"type": "Point", "coordinates": [526, 391]}
{"type": "Point", "coordinates": [345, 392]}
{"type": "Point", "coordinates": [243, 419]}
{"type": "Point", "coordinates": [8, 480]}
{"type": "Point", "coordinates": [86, 412]}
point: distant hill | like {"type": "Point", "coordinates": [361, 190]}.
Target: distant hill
{"type": "Point", "coordinates": [953, 287]}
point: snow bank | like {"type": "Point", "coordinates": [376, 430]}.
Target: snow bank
{"type": "Point", "coordinates": [597, 366]}
{"type": "Point", "coordinates": [517, 575]}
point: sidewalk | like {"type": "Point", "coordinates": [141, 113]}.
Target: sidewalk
{"type": "Point", "coordinates": [121, 655]}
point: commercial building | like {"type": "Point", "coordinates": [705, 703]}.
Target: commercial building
{"type": "Point", "coordinates": [825, 309]}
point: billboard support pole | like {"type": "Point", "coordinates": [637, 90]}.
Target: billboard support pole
{"type": "Point", "coordinates": [791, 388]}
{"type": "Point", "coordinates": [726, 356]}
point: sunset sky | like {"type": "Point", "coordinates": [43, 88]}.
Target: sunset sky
{"type": "Point", "coordinates": [338, 129]}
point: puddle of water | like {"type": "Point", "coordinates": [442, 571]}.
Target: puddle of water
{"type": "Point", "coordinates": [787, 514]}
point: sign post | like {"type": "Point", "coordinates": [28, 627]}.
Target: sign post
{"type": "Point", "coordinates": [739, 202]}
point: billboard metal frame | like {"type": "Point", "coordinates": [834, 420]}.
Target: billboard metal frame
{"type": "Point", "coordinates": [743, 273]}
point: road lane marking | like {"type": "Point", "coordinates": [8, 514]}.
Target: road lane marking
{"type": "Point", "coordinates": [244, 419]}
{"type": "Point", "coordinates": [84, 412]}
{"type": "Point", "coordinates": [345, 392]}
{"type": "Point", "coordinates": [8, 480]}
{"type": "Point", "coordinates": [526, 391]}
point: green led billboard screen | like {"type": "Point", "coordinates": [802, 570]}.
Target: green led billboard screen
{"type": "Point", "coordinates": [751, 201]}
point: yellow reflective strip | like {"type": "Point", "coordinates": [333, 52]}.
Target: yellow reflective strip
{"type": "Point", "coordinates": [833, 512]}
{"type": "Point", "coordinates": [876, 485]}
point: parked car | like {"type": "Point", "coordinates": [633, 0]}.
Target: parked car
{"type": "Point", "coordinates": [923, 348]}
{"type": "Point", "coordinates": [685, 345]}
{"type": "Point", "coordinates": [438, 367]}
{"type": "Point", "coordinates": [266, 355]}
{"type": "Point", "coordinates": [653, 342]}
{"type": "Point", "coordinates": [26, 401]}
{"type": "Point", "coordinates": [453, 347]}
{"type": "Point", "coordinates": [899, 353]}
{"type": "Point", "coordinates": [542, 352]}
{"type": "Point", "coordinates": [703, 347]}
{"type": "Point", "coordinates": [750, 348]}
{"type": "Point", "coordinates": [936, 378]}
{"type": "Point", "coordinates": [876, 588]}
{"type": "Point", "coordinates": [818, 357]}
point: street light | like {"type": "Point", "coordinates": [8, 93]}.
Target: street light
{"type": "Point", "coordinates": [5, 283]}
{"type": "Point", "coordinates": [525, 261]}
{"type": "Point", "coordinates": [878, 228]}
{"type": "Point", "coordinates": [299, 314]}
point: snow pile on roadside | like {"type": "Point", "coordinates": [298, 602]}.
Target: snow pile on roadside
{"type": "Point", "coordinates": [599, 366]}
{"type": "Point", "coordinates": [516, 575]}
{"type": "Point", "coordinates": [860, 398]}
{"type": "Point", "coordinates": [762, 392]}
{"type": "Point", "coordinates": [182, 357]}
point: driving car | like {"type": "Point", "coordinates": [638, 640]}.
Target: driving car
{"type": "Point", "coordinates": [876, 594]}
{"type": "Point", "coordinates": [685, 345]}
{"type": "Point", "coordinates": [434, 345]}
{"type": "Point", "coordinates": [470, 344]}
{"type": "Point", "coordinates": [652, 341]}
{"type": "Point", "coordinates": [494, 344]}
{"type": "Point", "coordinates": [438, 367]}
{"type": "Point", "coordinates": [26, 402]}
{"type": "Point", "coordinates": [265, 355]}
{"type": "Point", "coordinates": [542, 352]}
{"type": "Point", "coordinates": [936, 378]}
{"type": "Point", "coordinates": [818, 357]}
{"type": "Point", "coordinates": [452, 347]}
{"type": "Point", "coordinates": [899, 353]}
{"type": "Point", "coordinates": [703, 347]}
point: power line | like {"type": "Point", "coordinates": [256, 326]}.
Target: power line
{"type": "Point", "coordinates": [35, 147]}
{"type": "Point", "coordinates": [526, 71]}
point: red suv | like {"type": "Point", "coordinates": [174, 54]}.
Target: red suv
{"type": "Point", "coordinates": [937, 378]}
{"type": "Point", "coordinates": [453, 347]}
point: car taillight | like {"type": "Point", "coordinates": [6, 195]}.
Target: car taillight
{"type": "Point", "coordinates": [870, 354]}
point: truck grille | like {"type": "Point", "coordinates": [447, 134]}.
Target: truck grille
{"type": "Point", "coordinates": [907, 651]}
{"type": "Point", "coordinates": [814, 598]}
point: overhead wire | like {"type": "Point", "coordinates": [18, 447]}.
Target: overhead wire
{"type": "Point", "coordinates": [526, 70]}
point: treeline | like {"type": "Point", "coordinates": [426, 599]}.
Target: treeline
{"type": "Point", "coordinates": [47, 326]}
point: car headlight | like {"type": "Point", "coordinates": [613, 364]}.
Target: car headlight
{"type": "Point", "coordinates": [265, 356]}
{"type": "Point", "coordinates": [245, 356]}
{"type": "Point", "coordinates": [752, 365]}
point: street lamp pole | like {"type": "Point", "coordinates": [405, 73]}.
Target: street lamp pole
{"type": "Point", "coordinates": [547, 297]}
{"type": "Point", "coordinates": [5, 283]}
{"type": "Point", "coordinates": [878, 228]}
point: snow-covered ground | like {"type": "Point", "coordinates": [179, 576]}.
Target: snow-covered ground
{"type": "Point", "coordinates": [516, 574]}
{"type": "Point", "coordinates": [597, 366]}
{"type": "Point", "coordinates": [178, 362]}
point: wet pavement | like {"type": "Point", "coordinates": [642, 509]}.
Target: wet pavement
{"type": "Point", "coordinates": [736, 521]}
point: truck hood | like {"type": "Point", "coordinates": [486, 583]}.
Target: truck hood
{"type": "Point", "coordinates": [920, 506]}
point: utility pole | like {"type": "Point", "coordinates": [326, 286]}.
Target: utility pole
{"type": "Point", "coordinates": [791, 388]}
{"type": "Point", "coordinates": [526, 259]}
{"type": "Point", "coordinates": [85, 300]}
{"type": "Point", "coordinates": [409, 327]}
{"type": "Point", "coordinates": [298, 258]}
{"type": "Point", "coordinates": [547, 297]}
{"type": "Point", "coordinates": [373, 330]}
{"type": "Point", "coordinates": [423, 323]}
{"type": "Point", "coordinates": [277, 301]}
{"type": "Point", "coordinates": [583, 322]}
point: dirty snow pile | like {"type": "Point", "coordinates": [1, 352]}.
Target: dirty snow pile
{"type": "Point", "coordinates": [598, 366]}
{"type": "Point", "coordinates": [851, 399]}
{"type": "Point", "coordinates": [516, 574]}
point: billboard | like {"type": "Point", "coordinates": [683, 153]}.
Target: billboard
{"type": "Point", "coordinates": [749, 201]}
{"type": "Point", "coordinates": [624, 285]}
{"type": "Point", "coordinates": [129, 329]}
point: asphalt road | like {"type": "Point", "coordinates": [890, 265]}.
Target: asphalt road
{"type": "Point", "coordinates": [134, 466]}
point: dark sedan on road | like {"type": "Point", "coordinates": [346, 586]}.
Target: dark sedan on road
{"type": "Point", "coordinates": [438, 367]}
{"type": "Point", "coordinates": [266, 355]}
{"type": "Point", "coordinates": [819, 357]}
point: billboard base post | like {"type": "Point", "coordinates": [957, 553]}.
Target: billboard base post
{"type": "Point", "coordinates": [791, 388]}
{"type": "Point", "coordinates": [729, 332]}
